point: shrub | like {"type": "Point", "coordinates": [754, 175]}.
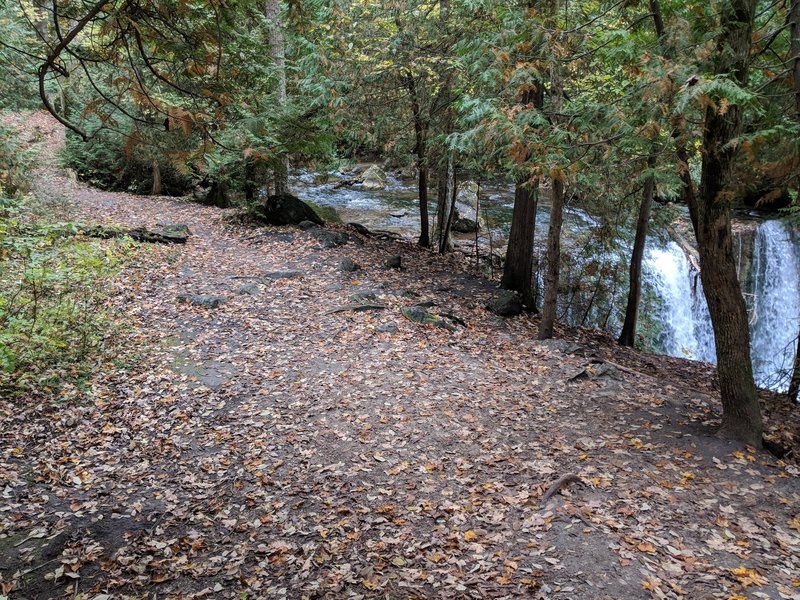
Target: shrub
{"type": "Point", "coordinates": [53, 287]}
{"type": "Point", "coordinates": [14, 164]}
{"type": "Point", "coordinates": [109, 162]}
{"type": "Point", "coordinates": [53, 284]}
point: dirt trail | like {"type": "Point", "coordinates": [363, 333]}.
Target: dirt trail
{"type": "Point", "coordinates": [267, 448]}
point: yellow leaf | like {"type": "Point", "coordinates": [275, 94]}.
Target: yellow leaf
{"type": "Point", "coordinates": [470, 536]}
{"type": "Point", "coordinates": [372, 583]}
{"type": "Point", "coordinates": [795, 523]}
{"type": "Point", "coordinates": [650, 584]}
{"type": "Point", "coordinates": [748, 576]}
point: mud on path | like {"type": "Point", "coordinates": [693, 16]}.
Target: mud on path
{"type": "Point", "coordinates": [269, 448]}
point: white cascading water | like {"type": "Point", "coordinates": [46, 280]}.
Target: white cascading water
{"type": "Point", "coordinates": [680, 310]}
{"type": "Point", "coordinates": [775, 321]}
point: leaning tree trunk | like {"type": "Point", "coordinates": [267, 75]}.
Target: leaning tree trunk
{"type": "Point", "coordinates": [552, 273]}
{"type": "Point", "coordinates": [277, 51]}
{"type": "Point", "coordinates": [741, 416]}
{"type": "Point", "coordinates": [628, 335]}
{"type": "Point", "coordinates": [794, 384]}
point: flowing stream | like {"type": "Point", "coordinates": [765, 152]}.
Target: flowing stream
{"type": "Point", "coordinates": [673, 314]}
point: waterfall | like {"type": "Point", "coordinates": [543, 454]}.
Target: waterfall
{"type": "Point", "coordinates": [677, 308]}
{"type": "Point", "coordinates": [676, 305]}
{"type": "Point", "coordinates": [775, 318]}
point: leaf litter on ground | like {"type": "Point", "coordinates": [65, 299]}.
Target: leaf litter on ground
{"type": "Point", "coordinates": [277, 446]}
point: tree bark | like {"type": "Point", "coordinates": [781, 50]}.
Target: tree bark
{"type": "Point", "coordinates": [794, 384]}
{"type": "Point", "coordinates": [628, 335]}
{"type": "Point", "coordinates": [552, 273]}
{"type": "Point", "coordinates": [156, 189]}
{"type": "Point", "coordinates": [518, 268]}
{"type": "Point", "coordinates": [420, 133]}
{"type": "Point", "coordinates": [424, 234]}
{"type": "Point", "coordinates": [794, 17]}
{"type": "Point", "coordinates": [277, 51]}
{"type": "Point", "coordinates": [445, 206]}
{"type": "Point", "coordinates": [710, 212]}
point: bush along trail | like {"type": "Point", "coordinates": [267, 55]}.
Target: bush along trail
{"type": "Point", "coordinates": [290, 417]}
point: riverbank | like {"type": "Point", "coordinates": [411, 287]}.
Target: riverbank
{"type": "Point", "coordinates": [277, 443]}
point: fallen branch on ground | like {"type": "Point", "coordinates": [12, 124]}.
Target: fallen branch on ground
{"type": "Point", "coordinates": [557, 485]}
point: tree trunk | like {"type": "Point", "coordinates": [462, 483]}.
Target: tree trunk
{"type": "Point", "coordinates": [442, 198]}
{"type": "Point", "coordinates": [277, 51]}
{"type": "Point", "coordinates": [156, 189]}
{"type": "Point", "coordinates": [794, 17]}
{"type": "Point", "coordinates": [451, 214]}
{"type": "Point", "coordinates": [444, 201]}
{"type": "Point", "coordinates": [446, 209]}
{"type": "Point", "coordinates": [518, 268]}
{"type": "Point", "coordinates": [628, 335]}
{"type": "Point", "coordinates": [794, 384]}
{"type": "Point", "coordinates": [420, 131]}
{"type": "Point", "coordinates": [424, 234]}
{"type": "Point", "coordinates": [551, 277]}
{"type": "Point", "coordinates": [558, 176]}
{"type": "Point", "coordinates": [710, 212]}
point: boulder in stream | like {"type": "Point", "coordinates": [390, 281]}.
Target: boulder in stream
{"type": "Point", "coordinates": [374, 178]}
{"type": "Point", "coordinates": [466, 219]}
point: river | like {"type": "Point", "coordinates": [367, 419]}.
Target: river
{"type": "Point", "coordinates": [674, 318]}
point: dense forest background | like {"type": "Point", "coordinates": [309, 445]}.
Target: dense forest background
{"type": "Point", "coordinates": [607, 106]}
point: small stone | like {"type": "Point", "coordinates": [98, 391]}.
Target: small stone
{"type": "Point", "coordinates": [365, 296]}
{"type": "Point", "coordinates": [203, 300]}
{"type": "Point", "coordinates": [393, 262]}
{"type": "Point", "coordinates": [275, 275]}
{"type": "Point", "coordinates": [417, 314]}
{"type": "Point", "coordinates": [248, 289]}
{"type": "Point", "coordinates": [177, 232]}
{"type": "Point", "coordinates": [348, 265]}
{"type": "Point", "coordinates": [330, 239]}
{"type": "Point", "coordinates": [387, 328]}
{"type": "Point", "coordinates": [306, 225]}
